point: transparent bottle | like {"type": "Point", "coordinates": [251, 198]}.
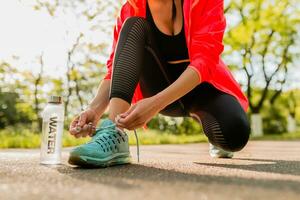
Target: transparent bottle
{"type": "Point", "coordinates": [53, 123]}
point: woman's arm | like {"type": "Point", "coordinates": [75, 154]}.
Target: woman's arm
{"type": "Point", "coordinates": [80, 125]}
{"type": "Point", "coordinates": [141, 112]}
{"type": "Point", "coordinates": [101, 100]}
{"type": "Point", "coordinates": [188, 80]}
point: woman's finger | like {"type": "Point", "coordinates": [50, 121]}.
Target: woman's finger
{"type": "Point", "coordinates": [90, 129]}
{"type": "Point", "coordinates": [94, 125]}
{"type": "Point", "coordinates": [120, 125]}
{"type": "Point", "coordinates": [73, 123]}
{"type": "Point", "coordinates": [85, 130]}
{"type": "Point", "coordinates": [124, 115]}
{"type": "Point", "coordinates": [127, 122]}
{"type": "Point", "coordinates": [129, 118]}
{"type": "Point", "coordinates": [139, 124]}
{"type": "Point", "coordinates": [130, 110]}
{"type": "Point", "coordinates": [73, 131]}
{"type": "Point", "coordinates": [77, 135]}
{"type": "Point", "coordinates": [117, 121]}
{"type": "Point", "coordinates": [135, 125]}
{"type": "Point", "coordinates": [93, 130]}
{"type": "Point", "coordinates": [82, 119]}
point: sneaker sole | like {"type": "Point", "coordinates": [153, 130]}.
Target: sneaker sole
{"type": "Point", "coordinates": [86, 161]}
{"type": "Point", "coordinates": [222, 156]}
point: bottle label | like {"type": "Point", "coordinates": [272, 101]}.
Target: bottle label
{"type": "Point", "coordinates": [52, 131]}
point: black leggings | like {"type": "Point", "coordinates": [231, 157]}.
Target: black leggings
{"type": "Point", "coordinates": [137, 59]}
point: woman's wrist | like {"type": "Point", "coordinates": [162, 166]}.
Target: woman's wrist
{"type": "Point", "coordinates": [100, 102]}
{"type": "Point", "coordinates": [97, 109]}
{"type": "Point", "coordinates": [159, 101]}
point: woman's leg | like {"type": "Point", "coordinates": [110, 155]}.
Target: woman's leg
{"type": "Point", "coordinates": [127, 65]}
{"type": "Point", "coordinates": [224, 121]}
{"type": "Point", "coordinates": [137, 60]}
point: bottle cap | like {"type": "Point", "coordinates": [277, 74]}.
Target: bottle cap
{"type": "Point", "coordinates": [55, 99]}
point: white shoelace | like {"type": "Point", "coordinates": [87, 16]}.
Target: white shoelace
{"type": "Point", "coordinates": [137, 145]}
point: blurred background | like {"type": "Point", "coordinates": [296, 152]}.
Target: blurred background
{"type": "Point", "coordinates": [60, 47]}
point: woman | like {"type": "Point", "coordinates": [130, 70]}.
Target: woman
{"type": "Point", "coordinates": [165, 59]}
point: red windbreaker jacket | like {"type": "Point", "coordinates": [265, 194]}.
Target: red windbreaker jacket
{"type": "Point", "coordinates": [204, 25]}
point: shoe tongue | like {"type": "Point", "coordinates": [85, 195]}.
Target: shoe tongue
{"type": "Point", "coordinates": [106, 122]}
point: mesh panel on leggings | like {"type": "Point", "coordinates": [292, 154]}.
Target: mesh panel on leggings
{"type": "Point", "coordinates": [211, 128]}
{"type": "Point", "coordinates": [128, 58]}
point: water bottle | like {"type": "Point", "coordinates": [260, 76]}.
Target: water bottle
{"type": "Point", "coordinates": [52, 131]}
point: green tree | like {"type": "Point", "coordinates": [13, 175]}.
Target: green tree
{"type": "Point", "coordinates": [12, 110]}
{"type": "Point", "coordinates": [261, 45]}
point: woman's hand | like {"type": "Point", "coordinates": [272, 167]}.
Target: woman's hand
{"type": "Point", "coordinates": [138, 114]}
{"type": "Point", "coordinates": [84, 124]}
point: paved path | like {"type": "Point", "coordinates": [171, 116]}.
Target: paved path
{"type": "Point", "coordinates": [263, 170]}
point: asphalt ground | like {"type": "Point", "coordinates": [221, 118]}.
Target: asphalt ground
{"type": "Point", "coordinates": [263, 170]}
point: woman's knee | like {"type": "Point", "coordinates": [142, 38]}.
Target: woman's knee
{"type": "Point", "coordinates": [134, 19]}
{"type": "Point", "coordinates": [135, 22]}
{"type": "Point", "coordinates": [238, 134]}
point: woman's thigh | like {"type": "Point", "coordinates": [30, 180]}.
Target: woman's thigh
{"type": "Point", "coordinates": [224, 121]}
{"type": "Point", "coordinates": [137, 59]}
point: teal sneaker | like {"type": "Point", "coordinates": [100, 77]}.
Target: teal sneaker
{"type": "Point", "coordinates": [217, 152]}
{"type": "Point", "coordinates": [109, 146]}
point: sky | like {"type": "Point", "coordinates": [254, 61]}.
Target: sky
{"type": "Point", "coordinates": [28, 33]}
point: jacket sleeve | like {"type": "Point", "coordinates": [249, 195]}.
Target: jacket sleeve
{"type": "Point", "coordinates": [207, 29]}
{"type": "Point", "coordinates": [116, 30]}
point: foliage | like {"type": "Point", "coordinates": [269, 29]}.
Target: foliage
{"type": "Point", "coordinates": [275, 121]}
{"type": "Point", "coordinates": [176, 126]}
{"type": "Point", "coordinates": [281, 137]}
{"type": "Point", "coordinates": [286, 104]}
{"type": "Point", "coordinates": [12, 110]}
{"type": "Point", "coordinates": [275, 113]}
{"type": "Point", "coordinates": [22, 137]}
{"type": "Point", "coordinates": [262, 44]}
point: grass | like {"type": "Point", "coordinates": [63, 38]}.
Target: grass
{"type": "Point", "coordinates": [24, 138]}
{"type": "Point", "coordinates": [157, 137]}
{"type": "Point", "coordinates": [282, 137]}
